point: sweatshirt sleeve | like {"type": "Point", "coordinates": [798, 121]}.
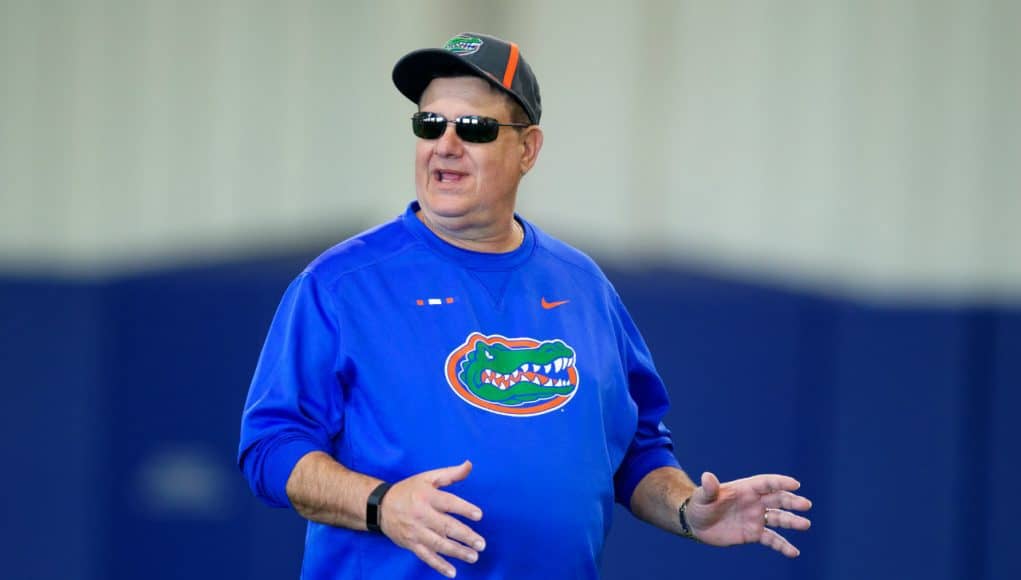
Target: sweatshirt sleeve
{"type": "Point", "coordinates": [295, 403]}
{"type": "Point", "coordinates": [652, 445]}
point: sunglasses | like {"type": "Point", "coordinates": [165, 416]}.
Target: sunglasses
{"type": "Point", "coordinates": [470, 128]}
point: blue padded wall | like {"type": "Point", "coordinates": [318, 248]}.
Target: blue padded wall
{"type": "Point", "coordinates": [991, 505]}
{"type": "Point", "coordinates": [52, 425]}
{"type": "Point", "coordinates": [122, 402]}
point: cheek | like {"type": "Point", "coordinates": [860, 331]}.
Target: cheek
{"type": "Point", "coordinates": [490, 163]}
{"type": "Point", "coordinates": [503, 166]}
{"type": "Point", "coordinates": [422, 154]}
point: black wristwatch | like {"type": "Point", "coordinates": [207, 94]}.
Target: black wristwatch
{"type": "Point", "coordinates": [372, 507]}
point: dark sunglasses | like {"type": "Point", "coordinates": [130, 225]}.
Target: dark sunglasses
{"type": "Point", "coordinates": [470, 128]}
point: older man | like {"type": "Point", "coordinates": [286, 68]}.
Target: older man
{"type": "Point", "coordinates": [458, 385]}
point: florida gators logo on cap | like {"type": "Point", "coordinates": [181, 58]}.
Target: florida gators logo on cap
{"type": "Point", "coordinates": [463, 44]}
{"type": "Point", "coordinates": [517, 377]}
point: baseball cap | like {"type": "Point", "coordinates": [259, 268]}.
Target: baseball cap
{"type": "Point", "coordinates": [496, 60]}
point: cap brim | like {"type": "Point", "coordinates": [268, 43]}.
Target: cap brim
{"type": "Point", "coordinates": [415, 70]}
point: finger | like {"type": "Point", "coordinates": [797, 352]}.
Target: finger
{"type": "Point", "coordinates": [447, 475]}
{"type": "Point", "coordinates": [782, 519]}
{"type": "Point", "coordinates": [450, 503]}
{"type": "Point", "coordinates": [773, 540]}
{"type": "Point", "coordinates": [764, 484]}
{"type": "Point", "coordinates": [434, 560]}
{"type": "Point", "coordinates": [787, 501]}
{"type": "Point", "coordinates": [452, 528]}
{"type": "Point", "coordinates": [447, 547]}
{"type": "Point", "coordinates": [710, 488]}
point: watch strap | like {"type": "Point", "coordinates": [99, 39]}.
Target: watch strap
{"type": "Point", "coordinates": [372, 507]}
{"type": "Point", "coordinates": [682, 515]}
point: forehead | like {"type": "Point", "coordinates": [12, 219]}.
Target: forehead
{"type": "Point", "coordinates": [468, 92]}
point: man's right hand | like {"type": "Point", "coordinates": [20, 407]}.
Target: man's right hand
{"type": "Point", "coordinates": [415, 514]}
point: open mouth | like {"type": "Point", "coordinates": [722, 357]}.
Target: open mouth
{"type": "Point", "coordinates": [445, 176]}
{"type": "Point", "coordinates": [554, 374]}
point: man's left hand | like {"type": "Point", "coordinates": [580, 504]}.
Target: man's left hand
{"type": "Point", "coordinates": [747, 510]}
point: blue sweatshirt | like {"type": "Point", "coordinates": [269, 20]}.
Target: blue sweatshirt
{"type": "Point", "coordinates": [396, 353]}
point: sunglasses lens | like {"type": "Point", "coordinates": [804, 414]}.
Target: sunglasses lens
{"type": "Point", "coordinates": [470, 128]}
{"type": "Point", "coordinates": [476, 129]}
{"type": "Point", "coordinates": [428, 125]}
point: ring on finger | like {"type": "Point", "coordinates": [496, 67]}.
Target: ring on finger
{"type": "Point", "coordinates": [765, 517]}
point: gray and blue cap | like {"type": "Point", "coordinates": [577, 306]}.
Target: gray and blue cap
{"type": "Point", "coordinates": [497, 61]}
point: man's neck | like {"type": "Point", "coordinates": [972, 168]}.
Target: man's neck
{"type": "Point", "coordinates": [506, 237]}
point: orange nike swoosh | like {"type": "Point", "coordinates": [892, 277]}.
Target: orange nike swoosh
{"type": "Point", "coordinates": [548, 305]}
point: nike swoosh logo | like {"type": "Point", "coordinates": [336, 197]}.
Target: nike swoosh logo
{"type": "Point", "coordinates": [550, 305]}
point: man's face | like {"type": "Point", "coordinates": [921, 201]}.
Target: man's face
{"type": "Point", "coordinates": [467, 185]}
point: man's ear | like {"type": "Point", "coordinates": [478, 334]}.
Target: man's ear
{"type": "Point", "coordinates": [531, 142]}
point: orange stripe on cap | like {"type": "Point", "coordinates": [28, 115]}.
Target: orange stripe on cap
{"type": "Point", "coordinates": [512, 66]}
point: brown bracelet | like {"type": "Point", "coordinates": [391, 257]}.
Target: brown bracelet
{"type": "Point", "coordinates": [686, 531]}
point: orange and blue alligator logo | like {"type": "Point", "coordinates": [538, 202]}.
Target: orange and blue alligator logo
{"type": "Point", "coordinates": [518, 377]}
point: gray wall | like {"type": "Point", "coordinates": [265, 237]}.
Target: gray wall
{"type": "Point", "coordinates": [868, 145]}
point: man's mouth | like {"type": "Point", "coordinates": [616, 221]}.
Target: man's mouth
{"type": "Point", "coordinates": [444, 176]}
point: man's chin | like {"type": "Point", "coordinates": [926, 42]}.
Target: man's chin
{"type": "Point", "coordinates": [445, 204]}
{"type": "Point", "coordinates": [440, 191]}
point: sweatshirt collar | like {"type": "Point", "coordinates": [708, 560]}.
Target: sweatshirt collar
{"type": "Point", "coordinates": [469, 258]}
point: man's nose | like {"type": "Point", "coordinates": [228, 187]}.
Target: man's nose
{"type": "Point", "coordinates": [449, 144]}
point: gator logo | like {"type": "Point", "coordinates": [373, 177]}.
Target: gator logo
{"type": "Point", "coordinates": [517, 377]}
{"type": "Point", "coordinates": [463, 44]}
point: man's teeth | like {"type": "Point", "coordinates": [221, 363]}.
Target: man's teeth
{"type": "Point", "coordinates": [448, 176]}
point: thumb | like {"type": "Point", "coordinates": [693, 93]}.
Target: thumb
{"type": "Point", "coordinates": [447, 475]}
{"type": "Point", "coordinates": [710, 488]}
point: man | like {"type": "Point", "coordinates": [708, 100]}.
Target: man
{"type": "Point", "coordinates": [456, 385]}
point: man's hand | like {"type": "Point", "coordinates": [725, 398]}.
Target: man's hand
{"type": "Point", "coordinates": [415, 514]}
{"type": "Point", "coordinates": [745, 511]}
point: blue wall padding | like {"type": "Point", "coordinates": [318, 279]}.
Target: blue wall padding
{"type": "Point", "coordinates": [898, 379]}
{"type": "Point", "coordinates": [900, 419]}
{"type": "Point", "coordinates": [992, 486]}
{"type": "Point", "coordinates": [54, 411]}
